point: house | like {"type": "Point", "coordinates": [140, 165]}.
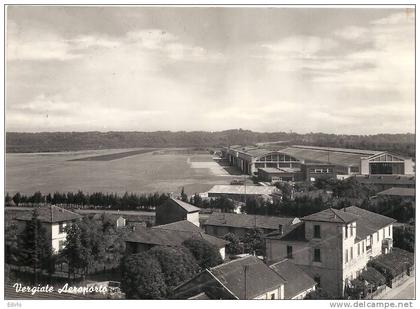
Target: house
{"type": "Point", "coordinates": [54, 219]}
{"type": "Point", "coordinates": [219, 224]}
{"type": "Point", "coordinates": [333, 245]}
{"type": "Point", "coordinates": [297, 283]}
{"type": "Point", "coordinates": [173, 210]}
{"type": "Point", "coordinates": [117, 220]}
{"type": "Point", "coordinates": [174, 234]}
{"type": "Point", "coordinates": [244, 278]}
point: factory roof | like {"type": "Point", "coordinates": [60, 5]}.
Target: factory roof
{"type": "Point", "coordinates": [249, 190]}
{"type": "Point", "coordinates": [280, 170]}
{"type": "Point", "coordinates": [387, 179]}
{"type": "Point", "coordinates": [168, 237]}
{"type": "Point", "coordinates": [249, 221]}
{"type": "Point", "coordinates": [395, 191]}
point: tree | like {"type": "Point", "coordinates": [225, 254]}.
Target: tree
{"type": "Point", "coordinates": [234, 246]}
{"type": "Point", "coordinates": [11, 244]}
{"type": "Point", "coordinates": [35, 246]}
{"type": "Point", "coordinates": [206, 254]}
{"type": "Point", "coordinates": [17, 198]}
{"type": "Point", "coordinates": [142, 277]}
{"type": "Point", "coordinates": [77, 256]}
{"type": "Point", "coordinates": [356, 289]}
{"type": "Point", "coordinates": [177, 265]}
{"type": "Point", "coordinates": [184, 196]}
{"type": "Point", "coordinates": [403, 237]}
{"type": "Point", "coordinates": [319, 293]}
{"type": "Point", "coordinates": [254, 241]}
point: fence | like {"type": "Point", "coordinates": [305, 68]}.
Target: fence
{"type": "Point", "coordinates": [381, 289]}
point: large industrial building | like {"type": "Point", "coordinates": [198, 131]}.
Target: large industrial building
{"type": "Point", "coordinates": [314, 162]}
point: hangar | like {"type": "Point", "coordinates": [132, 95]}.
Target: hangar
{"type": "Point", "coordinates": [345, 161]}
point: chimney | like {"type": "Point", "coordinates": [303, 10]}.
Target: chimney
{"type": "Point", "coordinates": [281, 229]}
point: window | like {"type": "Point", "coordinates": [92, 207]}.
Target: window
{"type": "Point", "coordinates": [389, 231]}
{"type": "Point", "coordinates": [290, 252]}
{"type": "Point", "coordinates": [61, 227]}
{"type": "Point", "coordinates": [351, 230]}
{"type": "Point", "coordinates": [317, 231]}
{"type": "Point", "coordinates": [272, 296]}
{"type": "Point", "coordinates": [383, 233]}
{"type": "Point", "coordinates": [351, 253]}
{"type": "Point", "coordinates": [363, 246]}
{"type": "Point", "coordinates": [377, 236]}
{"type": "Point", "coordinates": [346, 232]}
{"type": "Point", "coordinates": [347, 255]}
{"type": "Point", "coordinates": [317, 255]}
{"type": "Point", "coordinates": [60, 245]}
{"type": "Point", "coordinates": [358, 249]}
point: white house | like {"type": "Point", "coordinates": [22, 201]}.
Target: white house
{"type": "Point", "coordinates": [54, 219]}
{"type": "Point", "coordinates": [333, 246]}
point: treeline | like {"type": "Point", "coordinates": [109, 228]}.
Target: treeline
{"type": "Point", "coordinates": [343, 193]}
{"type": "Point", "coordinates": [127, 201]}
{"type": "Point", "coordinates": [403, 144]}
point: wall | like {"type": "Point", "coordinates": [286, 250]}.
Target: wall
{"type": "Point", "coordinates": [56, 236]}
{"type": "Point", "coordinates": [304, 293]}
{"type": "Point", "coordinates": [278, 294]}
{"type": "Point", "coordinates": [169, 212]}
{"type": "Point", "coordinates": [194, 218]}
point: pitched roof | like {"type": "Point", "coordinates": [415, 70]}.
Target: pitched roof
{"type": "Point", "coordinates": [50, 214]}
{"type": "Point", "coordinates": [248, 221]}
{"type": "Point", "coordinates": [395, 191]}
{"type": "Point", "coordinates": [297, 281]}
{"type": "Point", "coordinates": [297, 233]}
{"type": "Point", "coordinates": [259, 277]}
{"type": "Point", "coordinates": [183, 225]}
{"type": "Point", "coordinates": [368, 222]}
{"type": "Point", "coordinates": [164, 237]}
{"type": "Point", "coordinates": [249, 190]}
{"type": "Point", "coordinates": [404, 180]}
{"type": "Point", "coordinates": [188, 207]}
{"type": "Point", "coordinates": [331, 215]}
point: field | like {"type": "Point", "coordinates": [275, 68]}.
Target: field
{"type": "Point", "coordinates": [115, 156]}
{"type": "Point", "coordinates": [166, 170]}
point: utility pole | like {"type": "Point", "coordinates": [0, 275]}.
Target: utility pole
{"type": "Point", "coordinates": [245, 270]}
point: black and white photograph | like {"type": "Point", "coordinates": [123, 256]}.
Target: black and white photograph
{"type": "Point", "coordinates": [210, 152]}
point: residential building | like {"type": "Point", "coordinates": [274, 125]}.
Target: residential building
{"type": "Point", "coordinates": [174, 234]}
{"type": "Point", "coordinates": [297, 283]}
{"type": "Point", "coordinates": [220, 224]}
{"type": "Point", "coordinates": [333, 245]}
{"type": "Point", "coordinates": [117, 220]}
{"type": "Point", "coordinates": [174, 210]}
{"type": "Point", "coordinates": [54, 219]}
{"type": "Point", "coordinates": [244, 278]}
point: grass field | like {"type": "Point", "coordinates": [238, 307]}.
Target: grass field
{"type": "Point", "coordinates": [115, 156]}
{"type": "Point", "coordinates": [162, 171]}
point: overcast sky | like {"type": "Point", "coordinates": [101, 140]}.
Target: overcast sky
{"type": "Point", "coordinates": [342, 70]}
